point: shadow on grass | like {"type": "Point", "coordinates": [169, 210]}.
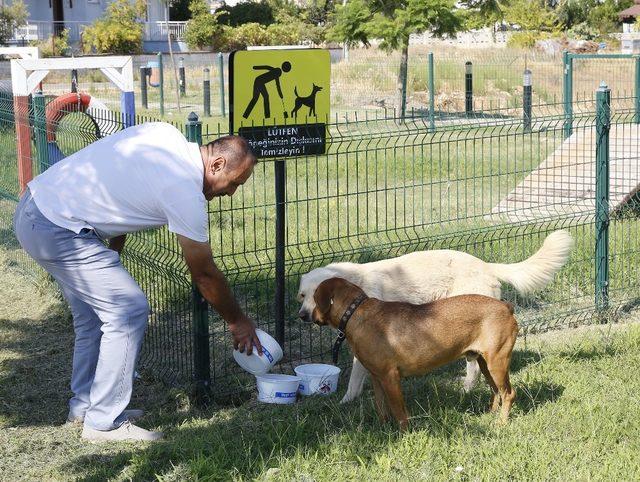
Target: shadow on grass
{"type": "Point", "coordinates": [34, 381]}
{"type": "Point", "coordinates": [245, 442]}
{"type": "Point", "coordinates": [442, 391]}
{"type": "Point", "coordinates": [588, 353]}
{"type": "Point", "coordinates": [8, 239]}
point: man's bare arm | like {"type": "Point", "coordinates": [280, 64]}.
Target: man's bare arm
{"type": "Point", "coordinates": [215, 289]}
{"type": "Point", "coordinates": [117, 243]}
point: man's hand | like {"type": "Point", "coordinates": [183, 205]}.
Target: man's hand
{"type": "Point", "coordinates": [216, 291]}
{"type": "Point", "coordinates": [244, 336]}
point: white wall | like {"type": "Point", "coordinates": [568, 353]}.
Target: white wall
{"type": "Point", "coordinates": [39, 10]}
{"type": "Point", "coordinates": [155, 11]}
{"type": "Point", "coordinates": [84, 10]}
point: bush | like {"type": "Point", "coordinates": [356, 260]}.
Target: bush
{"type": "Point", "coordinates": [56, 45]}
{"type": "Point", "coordinates": [583, 31]}
{"type": "Point", "coordinates": [526, 40]}
{"type": "Point", "coordinates": [205, 33]}
{"type": "Point", "coordinates": [245, 35]}
{"type": "Point", "coordinates": [204, 30]}
{"type": "Point", "coordinates": [118, 31]}
{"type": "Point", "coordinates": [278, 34]}
{"type": "Point", "coordinates": [247, 12]}
{"type": "Point", "coordinates": [11, 17]}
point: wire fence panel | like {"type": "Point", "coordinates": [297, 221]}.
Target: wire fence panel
{"type": "Point", "coordinates": [486, 183]}
{"type": "Point", "coordinates": [367, 82]}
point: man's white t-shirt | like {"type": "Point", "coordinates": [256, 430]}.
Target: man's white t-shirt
{"type": "Point", "coordinates": [142, 177]}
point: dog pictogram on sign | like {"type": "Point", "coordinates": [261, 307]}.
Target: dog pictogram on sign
{"type": "Point", "coordinates": [279, 100]}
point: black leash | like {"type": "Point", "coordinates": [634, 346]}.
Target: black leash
{"type": "Point", "coordinates": [343, 325]}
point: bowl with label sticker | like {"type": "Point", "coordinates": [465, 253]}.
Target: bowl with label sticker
{"type": "Point", "coordinates": [276, 388]}
{"type": "Point", "coordinates": [260, 364]}
{"type": "Point", "coordinates": [318, 378]}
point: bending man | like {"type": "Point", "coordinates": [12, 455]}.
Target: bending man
{"type": "Point", "coordinates": [143, 177]}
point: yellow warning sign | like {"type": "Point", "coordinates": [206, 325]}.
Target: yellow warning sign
{"type": "Point", "coordinates": [279, 100]}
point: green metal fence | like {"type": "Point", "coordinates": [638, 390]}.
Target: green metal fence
{"type": "Point", "coordinates": [385, 187]}
{"type": "Point", "coordinates": [366, 83]}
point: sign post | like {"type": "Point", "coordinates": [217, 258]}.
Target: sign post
{"type": "Point", "coordinates": [279, 102]}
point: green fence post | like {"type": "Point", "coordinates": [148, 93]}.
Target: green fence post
{"type": "Point", "coordinates": [143, 87]}
{"type": "Point", "coordinates": [201, 359]}
{"type": "Point", "coordinates": [404, 73]}
{"type": "Point", "coordinates": [567, 93]}
{"type": "Point", "coordinates": [468, 88]}
{"type": "Point", "coordinates": [221, 81]}
{"type": "Point", "coordinates": [603, 120]}
{"type": "Point", "coordinates": [40, 130]}
{"type": "Point", "coordinates": [432, 95]}
{"type": "Point", "coordinates": [206, 93]}
{"type": "Point", "coordinates": [182, 77]}
{"type": "Point", "coordinates": [526, 100]}
{"type": "Point", "coordinates": [161, 82]}
{"type": "Point", "coordinates": [637, 89]}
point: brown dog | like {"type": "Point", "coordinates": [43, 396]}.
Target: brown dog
{"type": "Point", "coordinates": [395, 340]}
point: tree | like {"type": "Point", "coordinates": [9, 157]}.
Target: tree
{"type": "Point", "coordinates": [392, 22]}
{"type": "Point", "coordinates": [318, 12]}
{"type": "Point", "coordinates": [247, 12]}
{"type": "Point", "coordinates": [204, 30]}
{"type": "Point", "coordinates": [179, 11]}
{"type": "Point", "coordinates": [118, 31]}
{"type": "Point", "coordinates": [604, 16]}
{"type": "Point", "coordinates": [484, 13]}
{"type": "Point", "coordinates": [571, 13]}
{"type": "Point", "coordinates": [11, 17]}
{"type": "Point", "coordinates": [531, 15]}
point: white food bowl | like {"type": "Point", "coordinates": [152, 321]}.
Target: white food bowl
{"type": "Point", "coordinates": [318, 378]}
{"type": "Point", "coordinates": [256, 364]}
{"type": "Point", "coordinates": [275, 388]}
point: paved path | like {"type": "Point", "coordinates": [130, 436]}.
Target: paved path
{"type": "Point", "coordinates": [564, 184]}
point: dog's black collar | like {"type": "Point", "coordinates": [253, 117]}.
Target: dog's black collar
{"type": "Point", "coordinates": [351, 309]}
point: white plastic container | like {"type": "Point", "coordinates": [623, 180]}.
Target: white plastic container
{"type": "Point", "coordinates": [256, 364]}
{"type": "Point", "coordinates": [275, 388]}
{"type": "Point", "coordinates": [318, 378]}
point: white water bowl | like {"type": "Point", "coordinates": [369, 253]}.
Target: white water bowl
{"type": "Point", "coordinates": [275, 388]}
{"type": "Point", "coordinates": [318, 378]}
{"type": "Point", "coordinates": [260, 364]}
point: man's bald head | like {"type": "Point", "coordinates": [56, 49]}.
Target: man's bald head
{"type": "Point", "coordinates": [235, 149]}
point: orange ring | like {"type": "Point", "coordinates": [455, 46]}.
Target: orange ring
{"type": "Point", "coordinates": [61, 106]}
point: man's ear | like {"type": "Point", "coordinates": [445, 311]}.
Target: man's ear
{"type": "Point", "coordinates": [217, 165]}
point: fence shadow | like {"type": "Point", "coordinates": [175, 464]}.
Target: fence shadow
{"type": "Point", "coordinates": [246, 441]}
{"type": "Point", "coordinates": [234, 443]}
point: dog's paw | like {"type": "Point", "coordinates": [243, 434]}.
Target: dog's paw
{"type": "Point", "coordinates": [347, 397]}
{"type": "Point", "coordinates": [467, 385]}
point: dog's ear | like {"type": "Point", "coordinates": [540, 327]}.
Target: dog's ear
{"type": "Point", "coordinates": [324, 295]}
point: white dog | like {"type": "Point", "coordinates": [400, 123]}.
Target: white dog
{"type": "Point", "coordinates": [424, 276]}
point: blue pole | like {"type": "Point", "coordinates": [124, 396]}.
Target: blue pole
{"type": "Point", "coordinates": [128, 109]}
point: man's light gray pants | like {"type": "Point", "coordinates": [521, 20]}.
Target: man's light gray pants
{"type": "Point", "coordinates": [109, 311]}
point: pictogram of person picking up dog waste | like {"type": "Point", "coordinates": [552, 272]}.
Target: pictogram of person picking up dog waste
{"type": "Point", "coordinates": [272, 75]}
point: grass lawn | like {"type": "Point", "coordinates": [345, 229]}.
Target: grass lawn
{"type": "Point", "coordinates": [577, 416]}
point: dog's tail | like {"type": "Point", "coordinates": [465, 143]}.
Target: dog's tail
{"type": "Point", "coordinates": [295, 90]}
{"type": "Point", "coordinates": [537, 271]}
